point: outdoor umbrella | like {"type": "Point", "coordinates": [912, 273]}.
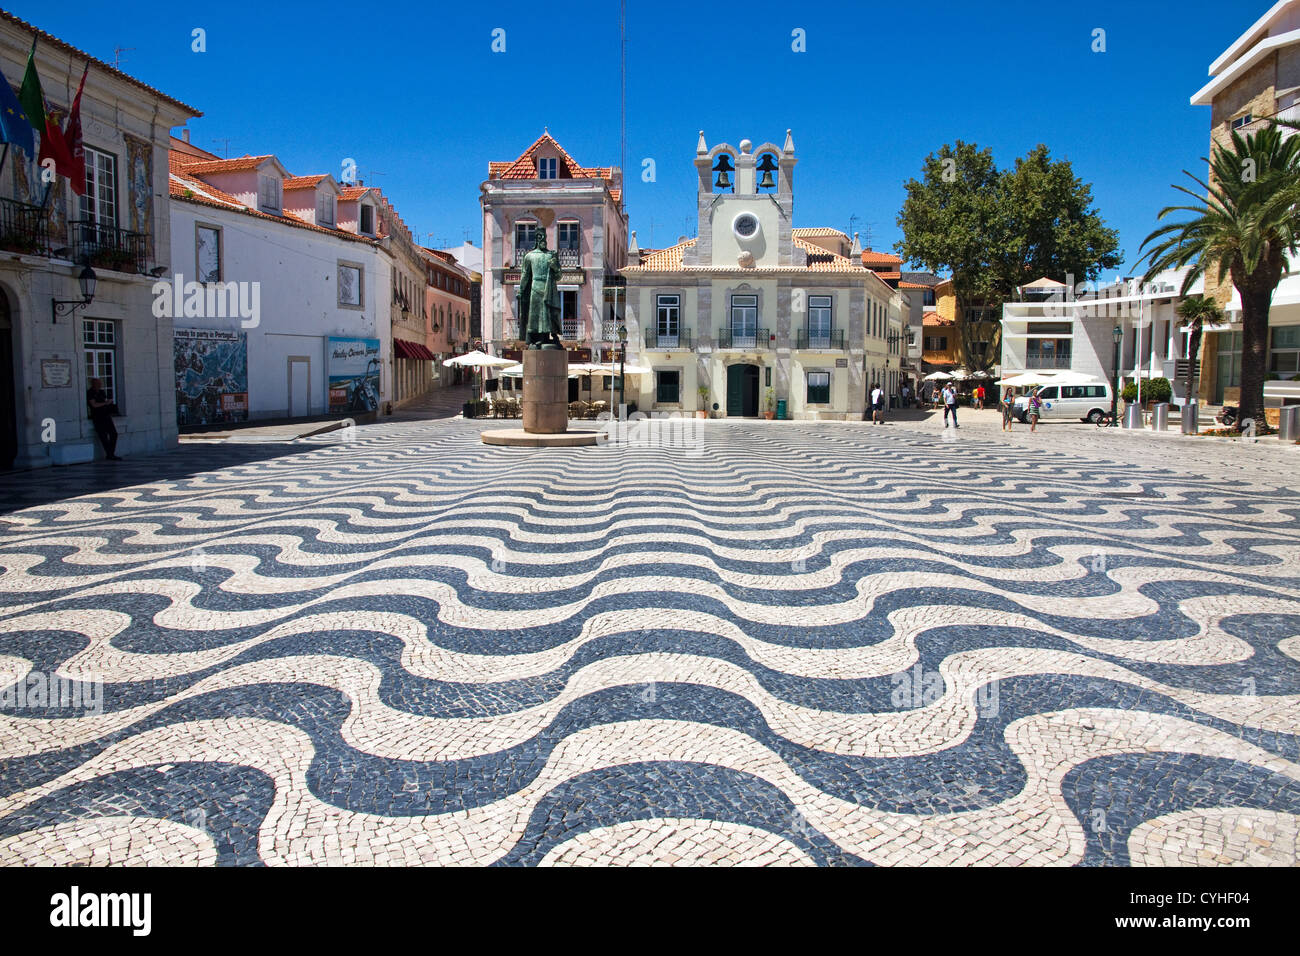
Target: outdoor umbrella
{"type": "Point", "coordinates": [937, 377]}
{"type": "Point", "coordinates": [479, 360]}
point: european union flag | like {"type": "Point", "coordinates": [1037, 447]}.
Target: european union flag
{"type": "Point", "coordinates": [14, 125]}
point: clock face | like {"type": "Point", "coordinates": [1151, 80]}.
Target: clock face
{"type": "Point", "coordinates": [745, 225]}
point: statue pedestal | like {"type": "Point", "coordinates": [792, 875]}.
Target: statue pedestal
{"type": "Point", "coordinates": [546, 391]}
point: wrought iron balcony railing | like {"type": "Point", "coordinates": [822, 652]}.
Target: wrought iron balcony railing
{"type": "Point", "coordinates": [1039, 362]}
{"type": "Point", "coordinates": [679, 340]}
{"type": "Point", "coordinates": [23, 228]}
{"type": "Point", "coordinates": [817, 339]}
{"type": "Point", "coordinates": [740, 338]}
{"type": "Point", "coordinates": [569, 329]}
{"type": "Point", "coordinates": [569, 258]}
{"type": "Point", "coordinates": [108, 247]}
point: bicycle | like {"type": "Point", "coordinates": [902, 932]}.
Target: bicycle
{"type": "Point", "coordinates": [1106, 420]}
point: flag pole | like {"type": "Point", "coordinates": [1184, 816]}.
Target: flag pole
{"type": "Point", "coordinates": [4, 158]}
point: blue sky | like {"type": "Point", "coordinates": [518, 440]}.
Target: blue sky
{"type": "Point", "coordinates": [415, 94]}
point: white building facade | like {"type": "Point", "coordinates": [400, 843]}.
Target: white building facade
{"type": "Point", "coordinates": [760, 317]}
{"type": "Point", "coordinates": [120, 229]}
{"type": "Point", "coordinates": [311, 283]}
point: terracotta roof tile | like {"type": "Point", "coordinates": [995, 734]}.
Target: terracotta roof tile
{"type": "Point", "coordinates": [665, 259]}
{"type": "Point", "coordinates": [353, 192]}
{"type": "Point", "coordinates": [817, 232]}
{"type": "Point", "coordinates": [188, 189]}
{"type": "Point", "coordinates": [302, 182]}
{"type": "Point", "coordinates": [237, 165]}
{"type": "Point", "coordinates": [870, 258]}
{"type": "Point", "coordinates": [934, 318]}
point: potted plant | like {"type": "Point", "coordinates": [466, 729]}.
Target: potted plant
{"type": "Point", "coordinates": [770, 412]}
{"type": "Point", "coordinates": [703, 410]}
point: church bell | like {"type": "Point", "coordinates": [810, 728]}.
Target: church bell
{"type": "Point", "coordinates": [722, 167]}
{"type": "Point", "coordinates": [766, 166]}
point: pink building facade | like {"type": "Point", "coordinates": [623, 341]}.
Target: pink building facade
{"type": "Point", "coordinates": [580, 210]}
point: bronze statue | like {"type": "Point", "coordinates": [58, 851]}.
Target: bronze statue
{"type": "Point", "coordinates": [539, 297]}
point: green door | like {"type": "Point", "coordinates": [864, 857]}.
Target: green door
{"type": "Point", "coordinates": [742, 391]}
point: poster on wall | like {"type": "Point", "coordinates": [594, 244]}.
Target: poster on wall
{"type": "Point", "coordinates": [354, 375]}
{"type": "Point", "coordinates": [211, 376]}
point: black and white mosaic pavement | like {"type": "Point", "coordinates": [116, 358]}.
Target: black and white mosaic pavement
{"type": "Point", "coordinates": [791, 644]}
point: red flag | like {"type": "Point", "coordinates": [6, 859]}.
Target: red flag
{"type": "Point", "coordinates": [54, 146]}
{"type": "Point", "coordinates": [76, 150]}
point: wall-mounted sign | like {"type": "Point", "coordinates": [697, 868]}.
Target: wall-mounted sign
{"type": "Point", "coordinates": [841, 363]}
{"type": "Point", "coordinates": [56, 373]}
{"type": "Point", "coordinates": [354, 375]}
{"type": "Point", "coordinates": [211, 376]}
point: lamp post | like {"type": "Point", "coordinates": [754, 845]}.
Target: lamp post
{"type": "Point", "coordinates": [1118, 336]}
{"type": "Point", "coordinates": [622, 365]}
{"type": "Point", "coordinates": [87, 280]}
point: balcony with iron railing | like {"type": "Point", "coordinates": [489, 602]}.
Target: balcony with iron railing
{"type": "Point", "coordinates": [663, 342]}
{"type": "Point", "coordinates": [23, 228]}
{"type": "Point", "coordinates": [1040, 362]}
{"type": "Point", "coordinates": [742, 338]}
{"type": "Point", "coordinates": [826, 340]}
{"type": "Point", "coordinates": [569, 329]}
{"type": "Point", "coordinates": [569, 258]}
{"type": "Point", "coordinates": [108, 247]}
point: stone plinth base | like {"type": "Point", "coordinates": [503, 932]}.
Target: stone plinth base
{"type": "Point", "coordinates": [546, 391]}
{"type": "Point", "coordinates": [518, 438]}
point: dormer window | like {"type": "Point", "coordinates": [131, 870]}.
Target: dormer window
{"type": "Point", "coordinates": [368, 220]}
{"type": "Point", "coordinates": [268, 193]}
{"type": "Point", "coordinates": [548, 168]}
{"type": "Point", "coordinates": [324, 209]}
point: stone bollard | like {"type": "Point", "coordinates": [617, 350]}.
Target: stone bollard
{"type": "Point", "coordinates": [1288, 423]}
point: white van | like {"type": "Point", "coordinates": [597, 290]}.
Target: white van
{"type": "Point", "coordinates": [1082, 401]}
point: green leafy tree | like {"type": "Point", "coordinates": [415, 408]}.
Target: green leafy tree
{"type": "Point", "coordinates": [995, 230]}
{"type": "Point", "coordinates": [1197, 311]}
{"type": "Point", "coordinates": [1244, 228]}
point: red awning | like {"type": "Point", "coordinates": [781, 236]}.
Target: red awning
{"type": "Point", "coordinates": [412, 350]}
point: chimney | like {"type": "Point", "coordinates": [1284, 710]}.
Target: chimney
{"type": "Point", "coordinates": [185, 135]}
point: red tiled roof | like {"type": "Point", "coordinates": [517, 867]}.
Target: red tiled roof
{"type": "Point", "coordinates": [870, 258]}
{"type": "Point", "coordinates": [525, 167]}
{"type": "Point", "coordinates": [190, 189]}
{"type": "Point", "coordinates": [302, 182]}
{"type": "Point", "coordinates": [353, 192]}
{"type": "Point", "coordinates": [817, 232]}
{"type": "Point", "coordinates": [885, 275]}
{"type": "Point", "coordinates": [237, 165]}
{"type": "Point", "coordinates": [913, 285]}
{"type": "Point", "coordinates": [934, 318]}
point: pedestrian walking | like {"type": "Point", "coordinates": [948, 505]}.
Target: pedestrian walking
{"type": "Point", "coordinates": [949, 396]}
{"type": "Point", "coordinates": [101, 417]}
{"type": "Point", "coordinates": [907, 396]}
{"type": "Point", "coordinates": [1008, 408]}
{"type": "Point", "coordinates": [979, 397]}
{"type": "Point", "coordinates": [1035, 409]}
{"type": "Point", "coordinates": [877, 404]}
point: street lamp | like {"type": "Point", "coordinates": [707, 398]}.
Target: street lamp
{"type": "Point", "coordinates": [1118, 336]}
{"type": "Point", "coordinates": [87, 280]}
{"type": "Point", "coordinates": [622, 364]}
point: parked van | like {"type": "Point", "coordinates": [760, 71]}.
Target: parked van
{"type": "Point", "coordinates": [1082, 401]}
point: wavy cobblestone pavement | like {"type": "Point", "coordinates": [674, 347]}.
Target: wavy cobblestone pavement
{"type": "Point", "coordinates": [788, 644]}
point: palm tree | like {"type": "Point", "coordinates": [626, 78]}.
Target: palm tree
{"type": "Point", "coordinates": [1245, 229]}
{"type": "Point", "coordinates": [1197, 311]}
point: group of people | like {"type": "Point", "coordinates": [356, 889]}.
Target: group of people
{"type": "Point", "coordinates": [1034, 409]}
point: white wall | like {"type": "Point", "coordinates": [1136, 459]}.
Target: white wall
{"type": "Point", "coordinates": [297, 274]}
